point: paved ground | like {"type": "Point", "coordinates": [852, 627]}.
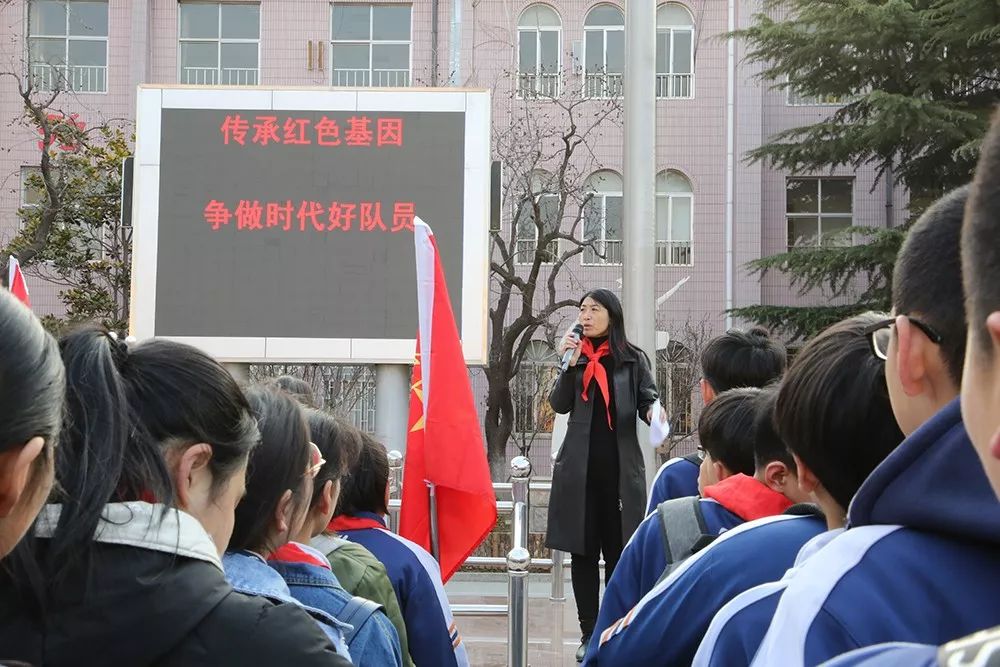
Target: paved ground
{"type": "Point", "coordinates": [553, 632]}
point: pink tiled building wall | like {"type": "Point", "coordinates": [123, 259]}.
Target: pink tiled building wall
{"type": "Point", "coordinates": [692, 133]}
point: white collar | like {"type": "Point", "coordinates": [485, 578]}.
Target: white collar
{"type": "Point", "coordinates": [144, 525]}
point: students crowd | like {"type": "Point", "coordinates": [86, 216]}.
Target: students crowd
{"type": "Point", "coordinates": [841, 511]}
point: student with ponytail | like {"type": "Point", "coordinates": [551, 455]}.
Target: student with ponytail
{"type": "Point", "coordinates": [125, 566]}
{"type": "Point", "coordinates": [279, 489]}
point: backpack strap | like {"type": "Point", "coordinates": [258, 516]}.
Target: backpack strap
{"type": "Point", "coordinates": [693, 458]}
{"type": "Point", "coordinates": [326, 544]}
{"type": "Point", "coordinates": [356, 613]}
{"type": "Point", "coordinates": [682, 525]}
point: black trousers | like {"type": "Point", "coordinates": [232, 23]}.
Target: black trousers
{"type": "Point", "coordinates": [603, 531]}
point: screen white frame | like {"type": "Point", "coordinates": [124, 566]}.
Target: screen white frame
{"type": "Point", "coordinates": [475, 104]}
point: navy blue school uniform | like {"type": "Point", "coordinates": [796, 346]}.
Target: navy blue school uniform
{"type": "Point", "coordinates": [734, 500]}
{"type": "Point", "coordinates": [918, 563]}
{"type": "Point", "coordinates": [416, 578]}
{"type": "Point", "coordinates": [677, 478]}
{"type": "Point", "coordinates": [667, 625]}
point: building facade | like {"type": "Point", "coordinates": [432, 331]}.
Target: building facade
{"type": "Point", "coordinates": [715, 211]}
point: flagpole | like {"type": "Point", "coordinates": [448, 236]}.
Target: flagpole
{"type": "Point", "coordinates": [435, 535]}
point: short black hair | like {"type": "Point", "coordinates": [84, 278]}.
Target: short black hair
{"type": "Point", "coordinates": [743, 359]}
{"type": "Point", "coordinates": [364, 486]}
{"type": "Point", "coordinates": [833, 409]}
{"type": "Point", "coordinates": [768, 445]}
{"type": "Point", "coordinates": [338, 441]}
{"type": "Point", "coordinates": [277, 465]}
{"type": "Point", "coordinates": [298, 389]}
{"type": "Point", "coordinates": [980, 249]}
{"type": "Point", "coordinates": [927, 280]}
{"type": "Point", "coordinates": [726, 429]}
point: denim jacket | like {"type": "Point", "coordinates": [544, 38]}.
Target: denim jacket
{"type": "Point", "coordinates": [249, 574]}
{"type": "Point", "coordinates": [375, 642]}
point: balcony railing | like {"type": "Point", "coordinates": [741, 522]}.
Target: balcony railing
{"type": "Point", "coordinates": [75, 78]}
{"type": "Point", "coordinates": [675, 86]}
{"type": "Point", "coordinates": [376, 78]}
{"type": "Point", "coordinates": [597, 84]}
{"type": "Point", "coordinates": [611, 249]}
{"type": "Point", "coordinates": [214, 76]}
{"type": "Point", "coordinates": [674, 253]}
{"type": "Point", "coordinates": [530, 84]}
{"type": "Point", "coordinates": [525, 252]}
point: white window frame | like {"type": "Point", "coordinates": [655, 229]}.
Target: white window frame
{"type": "Point", "coordinates": [218, 41]}
{"type": "Point", "coordinates": [362, 413]}
{"type": "Point", "coordinates": [604, 30]}
{"type": "Point", "coordinates": [602, 243]}
{"type": "Point", "coordinates": [794, 99]}
{"type": "Point", "coordinates": [542, 374]}
{"type": "Point", "coordinates": [66, 38]}
{"type": "Point", "coordinates": [525, 248]}
{"type": "Point", "coordinates": [25, 173]}
{"type": "Point", "coordinates": [666, 244]}
{"type": "Point", "coordinates": [670, 75]}
{"type": "Point", "coordinates": [370, 43]}
{"type": "Point", "coordinates": [536, 73]}
{"type": "Point", "coordinates": [819, 214]}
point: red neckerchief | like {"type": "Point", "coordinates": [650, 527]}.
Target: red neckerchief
{"type": "Point", "coordinates": [294, 553]}
{"type": "Point", "coordinates": [595, 370]}
{"type": "Point", "coordinates": [347, 522]}
{"type": "Point", "coordinates": [747, 497]}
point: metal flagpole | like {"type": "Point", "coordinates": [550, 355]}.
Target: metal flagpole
{"type": "Point", "coordinates": [638, 285]}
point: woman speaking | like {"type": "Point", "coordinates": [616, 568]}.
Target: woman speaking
{"type": "Point", "coordinates": [599, 480]}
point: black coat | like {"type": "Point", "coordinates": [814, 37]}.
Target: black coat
{"type": "Point", "coordinates": [634, 391]}
{"type": "Point", "coordinates": [151, 608]}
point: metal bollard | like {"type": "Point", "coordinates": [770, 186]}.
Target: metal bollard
{"type": "Point", "coordinates": [558, 593]}
{"type": "Point", "coordinates": [518, 561]}
{"type": "Point", "coordinates": [518, 564]}
{"type": "Point", "coordinates": [395, 485]}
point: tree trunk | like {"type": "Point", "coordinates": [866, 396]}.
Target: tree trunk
{"type": "Point", "coordinates": [499, 421]}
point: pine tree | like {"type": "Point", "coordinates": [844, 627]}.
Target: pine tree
{"type": "Point", "coordinates": [919, 78]}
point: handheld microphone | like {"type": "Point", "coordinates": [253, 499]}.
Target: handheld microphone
{"type": "Point", "coordinates": [577, 332]}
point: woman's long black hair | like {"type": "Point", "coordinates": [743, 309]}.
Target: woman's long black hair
{"type": "Point", "coordinates": [621, 348]}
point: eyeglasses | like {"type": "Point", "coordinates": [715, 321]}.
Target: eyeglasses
{"type": "Point", "coordinates": [880, 335]}
{"type": "Point", "coordinates": [701, 453]}
{"type": "Point", "coordinates": [316, 461]}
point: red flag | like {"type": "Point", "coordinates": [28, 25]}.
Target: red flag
{"type": "Point", "coordinates": [16, 284]}
{"type": "Point", "coordinates": [445, 446]}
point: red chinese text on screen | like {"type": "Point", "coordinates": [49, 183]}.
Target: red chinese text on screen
{"type": "Point", "coordinates": [358, 131]}
{"type": "Point", "coordinates": [308, 215]}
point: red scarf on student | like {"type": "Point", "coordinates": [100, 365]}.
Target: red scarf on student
{"type": "Point", "coordinates": [747, 497]}
{"type": "Point", "coordinates": [595, 370]}
{"type": "Point", "coordinates": [294, 553]}
{"type": "Point", "coordinates": [347, 522]}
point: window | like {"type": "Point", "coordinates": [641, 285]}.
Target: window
{"type": "Point", "coordinates": [673, 219]}
{"type": "Point", "coordinates": [371, 45]}
{"type": "Point", "coordinates": [817, 210]}
{"type": "Point", "coordinates": [604, 52]}
{"type": "Point", "coordinates": [527, 230]}
{"type": "Point", "coordinates": [674, 51]}
{"type": "Point", "coordinates": [32, 191]}
{"type": "Point", "coordinates": [68, 45]}
{"type": "Point", "coordinates": [352, 394]}
{"type": "Point", "coordinates": [795, 98]}
{"type": "Point", "coordinates": [532, 384]}
{"type": "Point", "coordinates": [538, 52]}
{"type": "Point", "coordinates": [677, 372]}
{"type": "Point", "coordinates": [602, 219]}
{"type": "Point", "coordinates": [219, 43]}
